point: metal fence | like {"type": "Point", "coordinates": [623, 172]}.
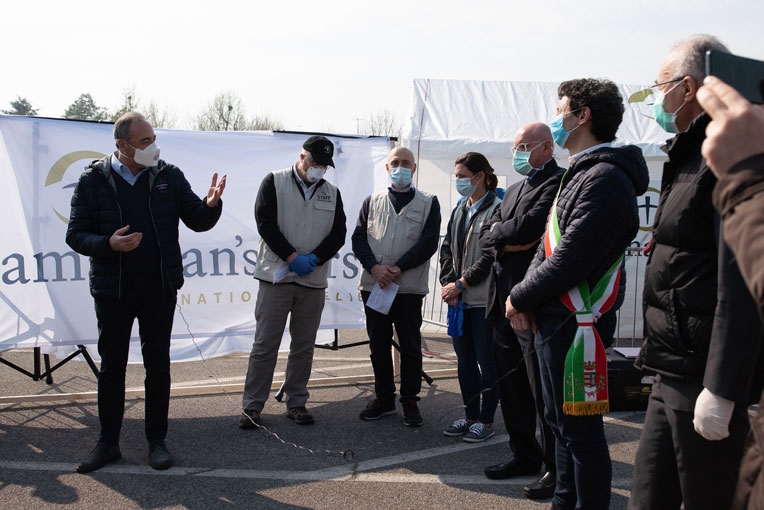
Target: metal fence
{"type": "Point", "coordinates": [628, 331]}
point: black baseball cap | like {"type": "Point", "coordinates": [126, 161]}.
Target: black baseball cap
{"type": "Point", "coordinates": [321, 150]}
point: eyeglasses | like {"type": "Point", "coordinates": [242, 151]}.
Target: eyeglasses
{"type": "Point", "coordinates": [525, 147]}
{"type": "Point", "coordinates": [641, 95]}
{"type": "Point", "coordinates": [657, 85]}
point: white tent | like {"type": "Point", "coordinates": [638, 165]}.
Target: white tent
{"type": "Point", "coordinates": [451, 117]}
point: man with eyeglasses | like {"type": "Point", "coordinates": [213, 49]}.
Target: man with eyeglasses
{"type": "Point", "coordinates": [701, 326]}
{"type": "Point", "coordinates": [575, 284]}
{"type": "Point", "coordinates": [301, 223]}
{"type": "Point", "coordinates": [512, 235]}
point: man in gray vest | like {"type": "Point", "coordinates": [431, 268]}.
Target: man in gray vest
{"type": "Point", "coordinates": [396, 235]}
{"type": "Point", "coordinates": [301, 224]}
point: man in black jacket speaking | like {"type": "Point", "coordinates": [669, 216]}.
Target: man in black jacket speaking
{"type": "Point", "coordinates": [125, 214]}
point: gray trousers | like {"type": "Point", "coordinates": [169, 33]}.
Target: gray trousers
{"type": "Point", "coordinates": [274, 304]}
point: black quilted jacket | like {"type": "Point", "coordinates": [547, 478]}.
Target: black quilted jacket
{"type": "Point", "coordinates": [700, 321]}
{"type": "Point", "coordinates": [96, 215]}
{"type": "Point", "coordinates": [597, 214]}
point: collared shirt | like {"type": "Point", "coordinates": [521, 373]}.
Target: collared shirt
{"type": "Point", "coordinates": [532, 176]}
{"type": "Point", "coordinates": [593, 148]}
{"type": "Point", "coordinates": [125, 172]}
{"type": "Point", "coordinates": [307, 191]}
{"type": "Point", "coordinates": [472, 209]}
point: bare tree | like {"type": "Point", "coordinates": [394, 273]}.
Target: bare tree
{"type": "Point", "coordinates": [225, 113]}
{"type": "Point", "coordinates": [265, 123]}
{"type": "Point", "coordinates": [384, 123]}
{"type": "Point", "coordinates": [161, 117]}
{"type": "Point", "coordinates": [130, 103]}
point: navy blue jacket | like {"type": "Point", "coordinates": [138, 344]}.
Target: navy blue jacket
{"type": "Point", "coordinates": [96, 215]}
{"type": "Point", "coordinates": [520, 220]}
{"type": "Point", "coordinates": [598, 218]}
{"type": "Point", "coordinates": [701, 323]}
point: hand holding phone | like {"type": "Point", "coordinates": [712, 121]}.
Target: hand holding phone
{"type": "Point", "coordinates": [737, 129]}
{"type": "Point", "coordinates": [745, 75]}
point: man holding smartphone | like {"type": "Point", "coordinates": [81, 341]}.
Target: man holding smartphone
{"type": "Point", "coordinates": [734, 149]}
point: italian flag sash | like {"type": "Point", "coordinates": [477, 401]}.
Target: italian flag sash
{"type": "Point", "coordinates": [586, 363]}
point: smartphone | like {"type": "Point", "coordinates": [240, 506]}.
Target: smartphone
{"type": "Point", "coordinates": [745, 75]}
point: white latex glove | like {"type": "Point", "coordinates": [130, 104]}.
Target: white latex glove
{"type": "Point", "coordinates": [712, 415]}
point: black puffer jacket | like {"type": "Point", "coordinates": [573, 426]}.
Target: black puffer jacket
{"type": "Point", "coordinates": [96, 215]}
{"type": "Point", "coordinates": [697, 310]}
{"type": "Point", "coordinates": [598, 218]}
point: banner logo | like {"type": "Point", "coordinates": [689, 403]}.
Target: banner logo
{"type": "Point", "coordinates": [59, 168]}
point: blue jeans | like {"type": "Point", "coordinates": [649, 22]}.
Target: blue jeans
{"type": "Point", "coordinates": [476, 366]}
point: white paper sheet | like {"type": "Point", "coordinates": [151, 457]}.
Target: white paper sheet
{"type": "Point", "coordinates": [382, 299]}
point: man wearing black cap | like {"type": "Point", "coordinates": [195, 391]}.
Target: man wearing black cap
{"type": "Point", "coordinates": [301, 223]}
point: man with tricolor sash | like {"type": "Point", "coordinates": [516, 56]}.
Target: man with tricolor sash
{"type": "Point", "coordinates": [575, 284]}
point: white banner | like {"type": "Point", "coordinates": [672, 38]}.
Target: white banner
{"type": "Point", "coordinates": [44, 295]}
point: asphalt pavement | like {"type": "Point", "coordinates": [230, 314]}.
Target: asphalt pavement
{"type": "Point", "coordinates": [339, 463]}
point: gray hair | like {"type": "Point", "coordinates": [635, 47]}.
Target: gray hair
{"type": "Point", "coordinates": [122, 125]}
{"type": "Point", "coordinates": [690, 55]}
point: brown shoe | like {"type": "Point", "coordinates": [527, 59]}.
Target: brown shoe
{"type": "Point", "coordinates": [300, 415]}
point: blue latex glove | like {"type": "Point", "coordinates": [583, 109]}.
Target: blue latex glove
{"type": "Point", "coordinates": [303, 264]}
{"type": "Point", "coordinates": [455, 319]}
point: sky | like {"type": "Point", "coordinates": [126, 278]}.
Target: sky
{"type": "Point", "coordinates": [329, 66]}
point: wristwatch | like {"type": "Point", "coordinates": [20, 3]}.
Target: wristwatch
{"type": "Point", "coordinates": [459, 285]}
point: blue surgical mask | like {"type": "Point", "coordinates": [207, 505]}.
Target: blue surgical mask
{"type": "Point", "coordinates": [664, 119]}
{"type": "Point", "coordinates": [521, 161]}
{"type": "Point", "coordinates": [400, 176]}
{"type": "Point", "coordinates": [559, 133]}
{"type": "Point", "coordinates": [465, 187]}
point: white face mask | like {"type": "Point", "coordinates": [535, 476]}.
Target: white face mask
{"type": "Point", "coordinates": [315, 173]}
{"type": "Point", "coordinates": [148, 156]}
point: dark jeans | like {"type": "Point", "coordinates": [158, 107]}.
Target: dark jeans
{"type": "Point", "coordinates": [527, 344]}
{"type": "Point", "coordinates": [517, 405]}
{"type": "Point", "coordinates": [675, 464]}
{"type": "Point", "coordinates": [406, 315]}
{"type": "Point", "coordinates": [476, 366]}
{"type": "Point", "coordinates": [584, 469]}
{"type": "Point", "coordinates": [154, 312]}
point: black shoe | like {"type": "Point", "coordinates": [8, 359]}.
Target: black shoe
{"type": "Point", "coordinates": [376, 409]}
{"type": "Point", "coordinates": [249, 419]}
{"type": "Point", "coordinates": [159, 456]}
{"type": "Point", "coordinates": [511, 469]}
{"type": "Point", "coordinates": [99, 457]}
{"type": "Point", "coordinates": [542, 488]}
{"type": "Point", "coordinates": [411, 416]}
